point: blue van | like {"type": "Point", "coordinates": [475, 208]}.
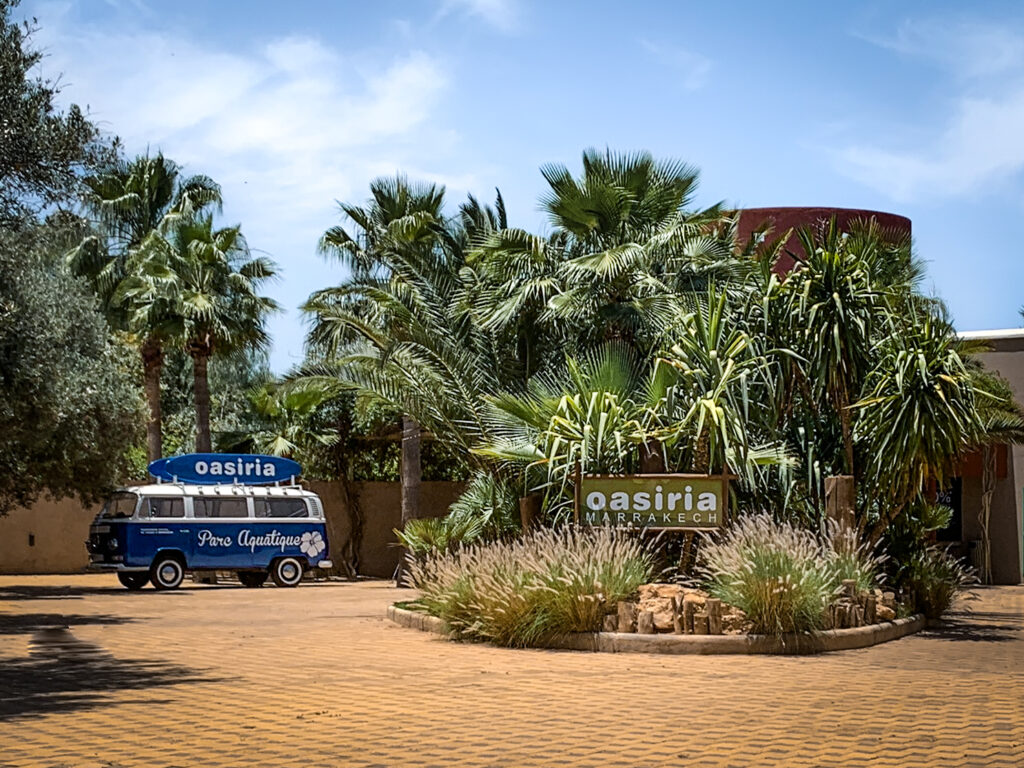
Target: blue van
{"type": "Point", "coordinates": [155, 533]}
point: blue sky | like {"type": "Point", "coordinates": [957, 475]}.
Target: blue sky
{"type": "Point", "coordinates": [911, 107]}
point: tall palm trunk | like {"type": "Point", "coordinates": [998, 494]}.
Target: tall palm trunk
{"type": "Point", "coordinates": [200, 350]}
{"type": "Point", "coordinates": [152, 365]}
{"type": "Point", "coordinates": [412, 476]}
{"type": "Point", "coordinates": [411, 469]}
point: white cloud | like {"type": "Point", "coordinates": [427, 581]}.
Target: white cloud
{"type": "Point", "coordinates": [981, 144]}
{"type": "Point", "coordinates": [977, 142]}
{"type": "Point", "coordinates": [691, 68]}
{"type": "Point", "coordinates": [967, 49]}
{"type": "Point", "coordinates": [286, 127]}
{"type": "Point", "coordinates": [501, 14]}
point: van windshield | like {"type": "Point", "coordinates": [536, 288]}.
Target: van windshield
{"type": "Point", "coordinates": [119, 505]}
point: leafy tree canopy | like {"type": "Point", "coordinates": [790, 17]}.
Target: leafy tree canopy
{"type": "Point", "coordinates": [69, 403]}
{"type": "Point", "coordinates": [43, 151]}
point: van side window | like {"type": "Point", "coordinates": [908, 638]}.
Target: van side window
{"type": "Point", "coordinates": [280, 508]}
{"type": "Point", "coordinates": [208, 507]}
{"type": "Point", "coordinates": [167, 507]}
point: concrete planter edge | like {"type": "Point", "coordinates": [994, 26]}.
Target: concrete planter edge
{"type": "Point", "coordinates": [618, 642]}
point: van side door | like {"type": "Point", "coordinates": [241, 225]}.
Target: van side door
{"type": "Point", "coordinates": [163, 526]}
{"type": "Point", "coordinates": [218, 524]}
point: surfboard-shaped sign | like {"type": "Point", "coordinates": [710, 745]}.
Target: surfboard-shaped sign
{"type": "Point", "coordinates": [214, 468]}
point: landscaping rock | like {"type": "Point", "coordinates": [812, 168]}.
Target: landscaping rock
{"type": "Point", "coordinates": [885, 613]}
{"type": "Point", "coordinates": [657, 598]}
{"type": "Point", "coordinates": [734, 621]}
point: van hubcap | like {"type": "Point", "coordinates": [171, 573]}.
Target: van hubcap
{"type": "Point", "coordinates": [289, 571]}
{"type": "Point", "coordinates": [168, 573]}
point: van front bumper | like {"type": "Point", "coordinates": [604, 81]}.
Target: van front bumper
{"type": "Point", "coordinates": [112, 567]}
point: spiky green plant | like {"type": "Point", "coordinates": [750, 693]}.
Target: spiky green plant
{"type": "Point", "coordinates": [934, 578]}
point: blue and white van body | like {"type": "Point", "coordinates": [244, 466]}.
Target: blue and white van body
{"type": "Point", "coordinates": [157, 532]}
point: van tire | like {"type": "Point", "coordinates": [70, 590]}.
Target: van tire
{"type": "Point", "coordinates": [252, 579]}
{"type": "Point", "coordinates": [167, 572]}
{"type": "Point", "coordinates": [286, 572]}
{"type": "Point", "coordinates": [134, 580]}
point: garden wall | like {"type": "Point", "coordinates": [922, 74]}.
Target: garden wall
{"type": "Point", "coordinates": [380, 505]}
{"type": "Point", "coordinates": [50, 536]}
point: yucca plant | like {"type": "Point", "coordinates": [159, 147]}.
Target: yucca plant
{"type": "Point", "coordinates": [918, 417]}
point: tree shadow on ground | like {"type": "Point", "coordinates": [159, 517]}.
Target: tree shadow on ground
{"type": "Point", "coordinates": [42, 686]}
{"type": "Point", "coordinates": [977, 626]}
{"type": "Point", "coordinates": [22, 623]}
{"type": "Point", "coordinates": [20, 592]}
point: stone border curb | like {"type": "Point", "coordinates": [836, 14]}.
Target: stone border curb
{"type": "Point", "coordinates": [620, 642]}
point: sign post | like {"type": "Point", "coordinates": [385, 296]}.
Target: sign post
{"type": "Point", "coordinates": [659, 502]}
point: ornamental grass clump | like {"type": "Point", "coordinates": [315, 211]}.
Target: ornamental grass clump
{"type": "Point", "coordinates": [852, 557]}
{"type": "Point", "coordinates": [934, 578]}
{"type": "Point", "coordinates": [776, 573]}
{"type": "Point", "coordinates": [527, 591]}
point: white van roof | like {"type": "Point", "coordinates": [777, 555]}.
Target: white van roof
{"type": "Point", "coordinates": [188, 489]}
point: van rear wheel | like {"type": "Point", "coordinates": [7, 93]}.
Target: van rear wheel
{"type": "Point", "coordinates": [166, 572]}
{"type": "Point", "coordinates": [252, 579]}
{"type": "Point", "coordinates": [286, 572]}
{"type": "Point", "coordinates": [133, 580]}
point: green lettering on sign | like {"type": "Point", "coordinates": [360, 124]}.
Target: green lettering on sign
{"type": "Point", "coordinates": [653, 501]}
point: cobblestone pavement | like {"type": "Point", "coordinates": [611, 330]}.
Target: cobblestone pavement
{"type": "Point", "coordinates": [315, 676]}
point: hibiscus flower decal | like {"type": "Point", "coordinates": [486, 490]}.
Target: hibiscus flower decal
{"type": "Point", "coordinates": [312, 543]}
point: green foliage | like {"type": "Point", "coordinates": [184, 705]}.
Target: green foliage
{"type": "Point", "coordinates": [639, 327]}
{"type": "Point", "coordinates": [44, 152]}
{"type": "Point", "coordinates": [523, 592]}
{"type": "Point", "coordinates": [934, 578]}
{"type": "Point", "coordinates": [852, 558]}
{"type": "Point", "coordinates": [427, 535]}
{"type": "Point", "coordinates": [488, 509]}
{"type": "Point", "coordinates": [232, 415]}
{"type": "Point", "coordinates": [781, 576]}
{"type": "Point", "coordinates": [69, 409]}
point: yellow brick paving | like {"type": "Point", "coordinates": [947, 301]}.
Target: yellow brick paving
{"type": "Point", "coordinates": [315, 676]}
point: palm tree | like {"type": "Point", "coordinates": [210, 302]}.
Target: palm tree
{"type": "Point", "coordinates": [400, 278]}
{"type": "Point", "coordinates": [132, 203]}
{"type": "Point", "coordinates": [219, 307]}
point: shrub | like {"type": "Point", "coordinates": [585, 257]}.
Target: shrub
{"type": "Point", "coordinates": [776, 573]}
{"type": "Point", "coordinates": [851, 557]}
{"type": "Point", "coordinates": [429, 534]}
{"type": "Point", "coordinates": [525, 592]}
{"type": "Point", "coordinates": [934, 578]}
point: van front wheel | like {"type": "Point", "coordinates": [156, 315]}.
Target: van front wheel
{"type": "Point", "coordinates": [286, 572]}
{"type": "Point", "coordinates": [166, 572]}
{"type": "Point", "coordinates": [133, 580]}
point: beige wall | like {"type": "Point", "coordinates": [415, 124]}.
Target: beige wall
{"type": "Point", "coordinates": [60, 528]}
{"type": "Point", "coordinates": [1007, 520]}
{"type": "Point", "coordinates": [380, 505]}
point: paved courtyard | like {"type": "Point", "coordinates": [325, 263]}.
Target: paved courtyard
{"type": "Point", "coordinates": [222, 676]}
